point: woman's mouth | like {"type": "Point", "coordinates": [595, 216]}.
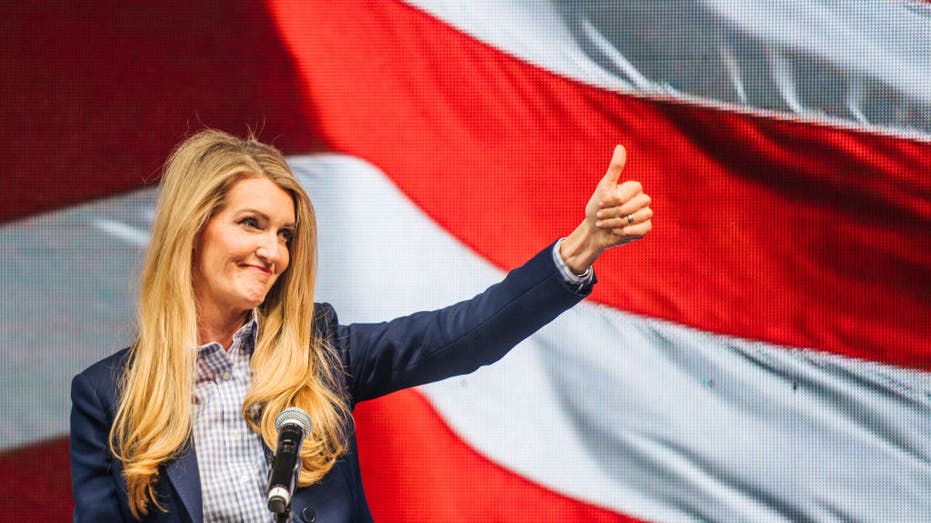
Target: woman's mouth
{"type": "Point", "coordinates": [259, 268]}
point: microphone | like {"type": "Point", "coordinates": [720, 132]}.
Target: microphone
{"type": "Point", "coordinates": [293, 425]}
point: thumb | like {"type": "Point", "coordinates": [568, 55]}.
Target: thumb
{"type": "Point", "coordinates": [618, 160]}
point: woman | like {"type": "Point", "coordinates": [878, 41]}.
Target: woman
{"type": "Point", "coordinates": [178, 426]}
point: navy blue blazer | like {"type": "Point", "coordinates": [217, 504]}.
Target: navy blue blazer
{"type": "Point", "coordinates": [378, 359]}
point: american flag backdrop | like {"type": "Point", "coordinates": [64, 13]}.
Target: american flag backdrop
{"type": "Point", "coordinates": [763, 355]}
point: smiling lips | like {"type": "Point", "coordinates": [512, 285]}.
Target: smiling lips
{"type": "Point", "coordinates": [260, 268]}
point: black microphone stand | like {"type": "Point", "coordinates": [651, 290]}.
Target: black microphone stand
{"type": "Point", "coordinates": [283, 517]}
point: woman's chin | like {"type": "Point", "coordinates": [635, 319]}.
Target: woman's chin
{"type": "Point", "coordinates": [253, 297]}
{"type": "Point", "coordinates": [247, 302]}
{"type": "Point", "coordinates": [255, 302]}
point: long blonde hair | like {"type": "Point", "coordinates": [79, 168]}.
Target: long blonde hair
{"type": "Point", "coordinates": [291, 365]}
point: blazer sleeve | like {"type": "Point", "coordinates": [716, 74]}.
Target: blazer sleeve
{"type": "Point", "coordinates": [92, 479]}
{"type": "Point", "coordinates": [429, 346]}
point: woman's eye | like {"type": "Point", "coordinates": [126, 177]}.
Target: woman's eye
{"type": "Point", "coordinates": [250, 222]}
{"type": "Point", "coordinates": [287, 235]}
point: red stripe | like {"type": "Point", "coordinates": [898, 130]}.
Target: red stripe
{"type": "Point", "coordinates": [35, 483]}
{"type": "Point", "coordinates": [416, 469]}
{"type": "Point", "coordinates": [95, 94]}
{"type": "Point", "coordinates": [793, 233]}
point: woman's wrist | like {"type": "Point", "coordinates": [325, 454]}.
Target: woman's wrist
{"type": "Point", "coordinates": [579, 250]}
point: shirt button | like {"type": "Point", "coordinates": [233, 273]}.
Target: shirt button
{"type": "Point", "coordinates": [235, 433]}
{"type": "Point", "coordinates": [226, 375]}
{"type": "Point", "coordinates": [244, 479]}
{"type": "Point", "coordinates": [309, 515]}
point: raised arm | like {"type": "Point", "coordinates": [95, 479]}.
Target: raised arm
{"type": "Point", "coordinates": [429, 346]}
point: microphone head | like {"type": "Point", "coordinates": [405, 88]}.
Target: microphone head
{"type": "Point", "coordinates": [293, 416]}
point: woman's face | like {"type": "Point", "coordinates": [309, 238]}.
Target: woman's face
{"type": "Point", "coordinates": [243, 249]}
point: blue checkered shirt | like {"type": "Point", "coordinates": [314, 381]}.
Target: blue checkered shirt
{"type": "Point", "coordinates": [231, 459]}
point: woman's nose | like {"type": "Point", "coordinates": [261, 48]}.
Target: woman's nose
{"type": "Point", "coordinates": [270, 249]}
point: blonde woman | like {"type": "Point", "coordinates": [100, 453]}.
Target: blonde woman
{"type": "Point", "coordinates": [179, 426]}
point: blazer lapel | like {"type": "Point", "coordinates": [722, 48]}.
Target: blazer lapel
{"type": "Point", "coordinates": [182, 471]}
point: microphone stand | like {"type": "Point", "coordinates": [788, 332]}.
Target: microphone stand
{"type": "Point", "coordinates": [283, 517]}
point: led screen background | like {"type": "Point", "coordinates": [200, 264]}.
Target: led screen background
{"type": "Point", "coordinates": [776, 317]}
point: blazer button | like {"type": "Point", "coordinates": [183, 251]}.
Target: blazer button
{"type": "Point", "coordinates": [308, 515]}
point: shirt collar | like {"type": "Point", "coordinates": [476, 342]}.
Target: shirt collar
{"type": "Point", "coordinates": [213, 361]}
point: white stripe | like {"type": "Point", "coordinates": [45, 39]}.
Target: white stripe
{"type": "Point", "coordinates": [861, 64]}
{"type": "Point", "coordinates": [637, 415]}
{"type": "Point", "coordinates": [127, 233]}
{"type": "Point", "coordinates": [68, 285]}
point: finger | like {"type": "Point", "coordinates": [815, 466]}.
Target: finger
{"type": "Point", "coordinates": [621, 195]}
{"type": "Point", "coordinates": [619, 221]}
{"type": "Point", "coordinates": [638, 201]}
{"type": "Point", "coordinates": [638, 230]}
{"type": "Point", "coordinates": [618, 160]}
{"type": "Point", "coordinates": [628, 190]}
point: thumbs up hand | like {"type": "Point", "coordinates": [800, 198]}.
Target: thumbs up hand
{"type": "Point", "coordinates": [617, 213]}
{"type": "Point", "coordinates": [620, 212]}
